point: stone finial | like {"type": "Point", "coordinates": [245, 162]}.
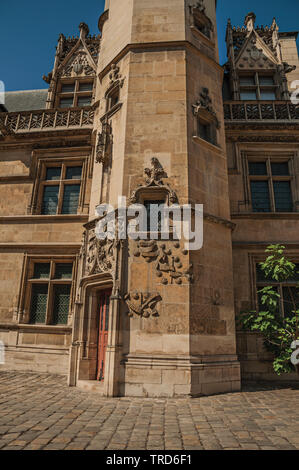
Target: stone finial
{"type": "Point", "coordinates": [84, 30]}
{"type": "Point", "coordinates": [274, 25]}
{"type": "Point", "coordinates": [250, 21]}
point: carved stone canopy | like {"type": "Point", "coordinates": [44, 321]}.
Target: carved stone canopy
{"type": "Point", "coordinates": [115, 79]}
{"type": "Point", "coordinates": [200, 18]}
{"type": "Point", "coordinates": [154, 181]}
{"type": "Point", "coordinates": [204, 106]}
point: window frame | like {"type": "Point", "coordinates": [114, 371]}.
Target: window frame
{"type": "Point", "coordinates": [258, 88]}
{"type": "Point", "coordinates": [76, 94]}
{"type": "Point", "coordinates": [270, 178]}
{"type": "Point", "coordinates": [212, 129]}
{"type": "Point", "coordinates": [280, 285]}
{"type": "Point", "coordinates": [62, 182]}
{"type": "Point", "coordinates": [51, 281]}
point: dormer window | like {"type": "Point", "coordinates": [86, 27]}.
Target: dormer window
{"type": "Point", "coordinates": [257, 87]}
{"type": "Point", "coordinates": [75, 93]}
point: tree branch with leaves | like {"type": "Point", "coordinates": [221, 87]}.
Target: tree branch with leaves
{"type": "Point", "coordinates": [278, 330]}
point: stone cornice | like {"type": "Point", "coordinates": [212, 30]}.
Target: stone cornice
{"type": "Point", "coordinates": [28, 328]}
{"type": "Point", "coordinates": [45, 246]}
{"type": "Point", "coordinates": [219, 220]}
{"type": "Point", "coordinates": [266, 138]}
{"type": "Point", "coordinates": [261, 245]}
{"type": "Point", "coordinates": [152, 46]}
{"type": "Point", "coordinates": [267, 215]}
{"type": "Point", "coordinates": [43, 218]}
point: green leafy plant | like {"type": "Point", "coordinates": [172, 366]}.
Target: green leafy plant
{"type": "Point", "coordinates": [278, 331]}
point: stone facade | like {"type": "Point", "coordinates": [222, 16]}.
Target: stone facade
{"type": "Point", "coordinates": [138, 112]}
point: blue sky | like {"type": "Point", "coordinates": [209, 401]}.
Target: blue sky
{"type": "Point", "coordinates": [29, 31]}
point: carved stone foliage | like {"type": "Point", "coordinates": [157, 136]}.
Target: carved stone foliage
{"type": "Point", "coordinates": [204, 105]}
{"type": "Point", "coordinates": [169, 259]}
{"type": "Point", "coordinates": [143, 304]}
{"type": "Point", "coordinates": [115, 77]}
{"type": "Point", "coordinates": [147, 250]}
{"type": "Point", "coordinates": [154, 179]}
{"type": "Point", "coordinates": [99, 254]}
{"type": "Point", "coordinates": [104, 144]}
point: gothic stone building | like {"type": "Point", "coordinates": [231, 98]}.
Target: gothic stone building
{"type": "Point", "coordinates": [145, 111]}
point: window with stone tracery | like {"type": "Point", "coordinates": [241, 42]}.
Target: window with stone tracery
{"type": "Point", "coordinates": [258, 86]}
{"type": "Point", "coordinates": [75, 93]}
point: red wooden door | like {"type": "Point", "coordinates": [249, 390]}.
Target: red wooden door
{"type": "Point", "coordinates": [103, 333]}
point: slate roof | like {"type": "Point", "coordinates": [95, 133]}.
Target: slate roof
{"type": "Point", "coordinates": [25, 100]}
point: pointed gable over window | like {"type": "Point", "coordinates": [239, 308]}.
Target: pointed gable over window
{"type": "Point", "coordinates": [72, 80]}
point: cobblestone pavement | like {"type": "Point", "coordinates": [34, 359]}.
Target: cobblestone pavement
{"type": "Point", "coordinates": [39, 411]}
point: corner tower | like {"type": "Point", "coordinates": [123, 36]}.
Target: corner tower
{"type": "Point", "coordinates": [159, 136]}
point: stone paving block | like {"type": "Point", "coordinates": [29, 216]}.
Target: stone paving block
{"type": "Point", "coordinates": [39, 411]}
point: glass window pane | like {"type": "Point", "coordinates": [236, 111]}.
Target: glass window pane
{"type": "Point", "coordinates": [113, 99]}
{"type": "Point", "coordinates": [247, 81]}
{"type": "Point", "coordinates": [248, 95]}
{"type": "Point", "coordinates": [61, 304]}
{"type": "Point", "coordinates": [68, 88]}
{"type": "Point", "coordinates": [260, 196]}
{"type": "Point", "coordinates": [41, 271]}
{"type": "Point", "coordinates": [86, 86]}
{"type": "Point", "coordinates": [53, 173]}
{"type": "Point", "coordinates": [84, 101]}
{"type": "Point", "coordinates": [264, 80]}
{"type": "Point", "coordinates": [257, 168]}
{"type": "Point", "coordinates": [268, 95]}
{"type": "Point", "coordinates": [290, 300]}
{"type": "Point", "coordinates": [66, 102]}
{"type": "Point", "coordinates": [39, 298]}
{"type": "Point", "coordinates": [203, 131]}
{"type": "Point", "coordinates": [148, 205]}
{"type": "Point", "coordinates": [73, 173]}
{"type": "Point", "coordinates": [63, 271]}
{"type": "Point", "coordinates": [283, 196]}
{"type": "Point", "coordinates": [50, 200]}
{"type": "Point", "coordinates": [280, 169]}
{"type": "Point", "coordinates": [71, 199]}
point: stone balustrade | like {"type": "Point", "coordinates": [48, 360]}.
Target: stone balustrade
{"type": "Point", "coordinates": [260, 111]}
{"type": "Point", "coordinates": [46, 120]}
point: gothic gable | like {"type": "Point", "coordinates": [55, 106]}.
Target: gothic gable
{"type": "Point", "coordinates": [78, 62]}
{"type": "Point", "coordinates": [255, 54]}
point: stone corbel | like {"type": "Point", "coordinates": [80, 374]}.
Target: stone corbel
{"type": "Point", "coordinates": [154, 180]}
